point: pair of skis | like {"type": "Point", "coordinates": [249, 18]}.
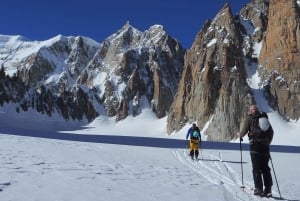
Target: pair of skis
{"type": "Point", "coordinates": [250, 192]}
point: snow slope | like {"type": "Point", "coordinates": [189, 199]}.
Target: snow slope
{"type": "Point", "coordinates": [45, 169]}
{"type": "Point", "coordinates": [131, 168]}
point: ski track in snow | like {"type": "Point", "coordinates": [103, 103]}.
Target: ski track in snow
{"type": "Point", "coordinates": [218, 172]}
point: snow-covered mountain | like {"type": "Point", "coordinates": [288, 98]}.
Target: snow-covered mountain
{"type": "Point", "coordinates": [212, 83]}
{"type": "Point", "coordinates": [79, 78]}
{"type": "Point", "coordinates": [46, 73]}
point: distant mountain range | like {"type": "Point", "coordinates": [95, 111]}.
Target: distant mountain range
{"type": "Point", "coordinates": [79, 78]}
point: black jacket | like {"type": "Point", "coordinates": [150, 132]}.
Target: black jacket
{"type": "Point", "coordinates": [257, 144]}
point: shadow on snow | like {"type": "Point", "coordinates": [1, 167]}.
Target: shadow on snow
{"type": "Point", "coordinates": [140, 141]}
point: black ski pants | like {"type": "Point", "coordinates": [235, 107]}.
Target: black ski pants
{"type": "Point", "coordinates": [261, 170]}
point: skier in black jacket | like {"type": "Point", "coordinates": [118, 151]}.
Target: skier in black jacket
{"type": "Point", "coordinates": [259, 152]}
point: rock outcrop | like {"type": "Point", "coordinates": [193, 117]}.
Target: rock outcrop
{"type": "Point", "coordinates": [213, 86]}
{"type": "Point", "coordinates": [280, 58]}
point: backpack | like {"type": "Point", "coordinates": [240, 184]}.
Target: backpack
{"type": "Point", "coordinates": [195, 134]}
{"type": "Point", "coordinates": [261, 129]}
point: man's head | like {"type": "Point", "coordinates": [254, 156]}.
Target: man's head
{"type": "Point", "coordinates": [194, 125]}
{"type": "Point", "coordinates": [252, 109]}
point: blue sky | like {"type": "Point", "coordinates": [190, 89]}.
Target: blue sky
{"type": "Point", "coordinates": [98, 19]}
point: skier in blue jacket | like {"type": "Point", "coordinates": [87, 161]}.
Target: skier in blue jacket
{"type": "Point", "coordinates": [195, 138]}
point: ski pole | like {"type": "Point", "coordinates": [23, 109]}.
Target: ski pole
{"type": "Point", "coordinates": [275, 175]}
{"type": "Point", "coordinates": [201, 150]}
{"type": "Point", "coordinates": [241, 139]}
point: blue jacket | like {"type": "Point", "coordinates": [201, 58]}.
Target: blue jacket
{"type": "Point", "coordinates": [190, 133]}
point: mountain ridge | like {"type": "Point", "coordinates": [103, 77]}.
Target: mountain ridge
{"type": "Point", "coordinates": [73, 66]}
{"type": "Point", "coordinates": [79, 78]}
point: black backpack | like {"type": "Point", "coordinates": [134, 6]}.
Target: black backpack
{"type": "Point", "coordinates": [261, 129]}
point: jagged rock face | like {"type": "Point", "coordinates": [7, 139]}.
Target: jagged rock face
{"type": "Point", "coordinates": [280, 57]}
{"type": "Point", "coordinates": [47, 72]}
{"type": "Point", "coordinates": [257, 13]}
{"type": "Point", "coordinates": [33, 74]}
{"type": "Point", "coordinates": [11, 88]}
{"type": "Point", "coordinates": [213, 87]}
{"type": "Point", "coordinates": [133, 65]}
{"type": "Point", "coordinates": [79, 78]}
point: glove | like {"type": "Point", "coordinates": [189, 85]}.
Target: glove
{"type": "Point", "coordinates": [241, 139]}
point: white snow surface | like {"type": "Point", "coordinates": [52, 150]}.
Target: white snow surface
{"type": "Point", "coordinates": [126, 167]}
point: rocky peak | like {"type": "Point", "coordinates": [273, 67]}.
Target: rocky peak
{"type": "Point", "coordinates": [155, 32]}
{"type": "Point", "coordinates": [213, 87]}
{"type": "Point", "coordinates": [125, 37]}
{"type": "Point", "coordinates": [146, 64]}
